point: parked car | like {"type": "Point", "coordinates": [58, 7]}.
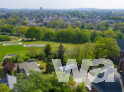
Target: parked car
{"type": "Point", "coordinates": [88, 87]}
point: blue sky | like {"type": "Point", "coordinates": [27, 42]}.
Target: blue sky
{"type": "Point", "coordinates": [62, 4]}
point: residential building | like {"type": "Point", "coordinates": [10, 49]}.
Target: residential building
{"type": "Point", "coordinates": [9, 81]}
{"type": "Point", "coordinates": [121, 45]}
{"type": "Point", "coordinates": [117, 86]}
{"type": "Point", "coordinates": [27, 66]}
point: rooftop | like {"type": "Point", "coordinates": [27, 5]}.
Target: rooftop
{"type": "Point", "coordinates": [9, 80]}
{"type": "Point", "coordinates": [27, 66]}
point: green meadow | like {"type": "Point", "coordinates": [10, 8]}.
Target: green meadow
{"type": "Point", "coordinates": [19, 49]}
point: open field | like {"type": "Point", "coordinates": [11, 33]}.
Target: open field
{"type": "Point", "coordinates": [4, 50]}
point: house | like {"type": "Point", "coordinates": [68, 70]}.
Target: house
{"type": "Point", "coordinates": [121, 45]}
{"type": "Point", "coordinates": [117, 86]}
{"type": "Point", "coordinates": [9, 81]}
{"type": "Point", "coordinates": [27, 66]}
{"type": "Point", "coordinates": [120, 68]}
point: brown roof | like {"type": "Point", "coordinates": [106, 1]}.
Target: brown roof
{"type": "Point", "coordinates": [27, 66]}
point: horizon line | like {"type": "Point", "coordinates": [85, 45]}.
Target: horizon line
{"type": "Point", "coordinates": [62, 8]}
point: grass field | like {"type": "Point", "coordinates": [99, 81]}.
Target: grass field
{"type": "Point", "coordinates": [4, 50]}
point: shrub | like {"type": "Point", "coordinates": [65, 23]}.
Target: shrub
{"type": "Point", "coordinates": [8, 68]}
{"type": "Point", "coordinates": [20, 60]}
{"type": "Point", "coordinates": [4, 38]}
{"type": "Point", "coordinates": [6, 61]}
{"type": "Point", "coordinates": [26, 58]}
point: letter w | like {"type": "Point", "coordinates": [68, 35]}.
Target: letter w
{"type": "Point", "coordinates": [63, 72]}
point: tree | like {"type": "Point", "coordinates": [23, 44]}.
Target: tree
{"type": "Point", "coordinates": [60, 86]}
{"type": "Point", "coordinates": [1, 72]}
{"type": "Point", "coordinates": [4, 88]}
{"type": "Point", "coordinates": [60, 24]}
{"type": "Point", "coordinates": [81, 88]}
{"type": "Point", "coordinates": [85, 36]}
{"type": "Point", "coordinates": [22, 30]}
{"type": "Point", "coordinates": [33, 32]}
{"type": "Point", "coordinates": [16, 58]}
{"type": "Point", "coordinates": [89, 26]}
{"type": "Point", "coordinates": [8, 68]}
{"type": "Point", "coordinates": [120, 35]}
{"type": "Point", "coordinates": [48, 50]}
{"type": "Point", "coordinates": [18, 69]}
{"type": "Point", "coordinates": [87, 51]}
{"type": "Point", "coordinates": [49, 35]}
{"type": "Point", "coordinates": [34, 82]}
{"type": "Point", "coordinates": [20, 60]}
{"type": "Point", "coordinates": [61, 53]}
{"type": "Point", "coordinates": [94, 34]}
{"type": "Point", "coordinates": [6, 61]}
{"type": "Point", "coordinates": [4, 38]}
{"type": "Point", "coordinates": [8, 28]}
{"type": "Point", "coordinates": [119, 26]}
{"type": "Point", "coordinates": [24, 23]}
{"type": "Point", "coordinates": [56, 24]}
{"type": "Point", "coordinates": [107, 48]}
{"type": "Point", "coordinates": [50, 68]}
{"type": "Point", "coordinates": [103, 26]}
{"type": "Point", "coordinates": [110, 33]}
{"type": "Point", "coordinates": [76, 24]}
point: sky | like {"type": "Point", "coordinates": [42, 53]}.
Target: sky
{"type": "Point", "coordinates": [62, 4]}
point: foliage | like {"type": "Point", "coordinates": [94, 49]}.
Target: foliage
{"type": "Point", "coordinates": [87, 51]}
{"type": "Point", "coordinates": [56, 24]}
{"type": "Point", "coordinates": [61, 53]}
{"type": "Point", "coordinates": [50, 68]}
{"type": "Point", "coordinates": [68, 36]}
{"type": "Point", "coordinates": [119, 26]}
{"type": "Point", "coordinates": [103, 26]}
{"type": "Point", "coordinates": [22, 30]}
{"type": "Point", "coordinates": [76, 24]}
{"type": "Point", "coordinates": [17, 59]}
{"type": "Point", "coordinates": [94, 34]}
{"type": "Point", "coordinates": [33, 32]}
{"type": "Point", "coordinates": [88, 26]}
{"type": "Point", "coordinates": [20, 60]}
{"type": "Point", "coordinates": [110, 34]}
{"type": "Point", "coordinates": [18, 69]}
{"type": "Point", "coordinates": [4, 38]}
{"type": "Point", "coordinates": [5, 50]}
{"type": "Point", "coordinates": [26, 58]}
{"type": "Point", "coordinates": [34, 81]}
{"type": "Point", "coordinates": [6, 60]}
{"type": "Point", "coordinates": [81, 88]}
{"type": "Point", "coordinates": [8, 67]}
{"type": "Point", "coordinates": [60, 86]}
{"type": "Point", "coordinates": [24, 23]}
{"type": "Point", "coordinates": [4, 88]}
{"type": "Point", "coordinates": [107, 48]}
{"type": "Point", "coordinates": [7, 28]}
{"type": "Point", "coordinates": [49, 35]}
{"type": "Point", "coordinates": [1, 72]}
{"type": "Point", "coordinates": [48, 50]}
{"type": "Point", "coordinates": [43, 65]}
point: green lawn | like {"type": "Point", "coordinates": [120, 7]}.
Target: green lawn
{"type": "Point", "coordinates": [4, 50]}
{"type": "Point", "coordinates": [43, 64]}
{"type": "Point", "coordinates": [53, 44]}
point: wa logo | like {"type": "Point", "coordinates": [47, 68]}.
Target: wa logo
{"type": "Point", "coordinates": [64, 72]}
